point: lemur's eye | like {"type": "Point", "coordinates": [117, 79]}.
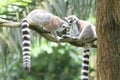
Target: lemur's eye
{"type": "Point", "coordinates": [71, 21]}
{"type": "Point", "coordinates": [64, 25]}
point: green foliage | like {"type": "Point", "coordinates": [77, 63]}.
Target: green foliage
{"type": "Point", "coordinates": [50, 61]}
{"type": "Point", "coordinates": [81, 8]}
{"type": "Point", "coordinates": [60, 63]}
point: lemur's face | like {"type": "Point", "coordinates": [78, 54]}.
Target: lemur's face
{"type": "Point", "coordinates": [64, 25]}
{"type": "Point", "coordinates": [72, 19]}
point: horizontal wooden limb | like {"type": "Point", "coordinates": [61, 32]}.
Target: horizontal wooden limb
{"type": "Point", "coordinates": [10, 24]}
{"type": "Point", "coordinates": [45, 34]}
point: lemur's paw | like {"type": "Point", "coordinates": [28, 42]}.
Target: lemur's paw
{"type": "Point", "coordinates": [65, 36]}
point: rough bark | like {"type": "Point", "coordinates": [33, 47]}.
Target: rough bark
{"type": "Point", "coordinates": [108, 47]}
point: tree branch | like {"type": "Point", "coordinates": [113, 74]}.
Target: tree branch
{"type": "Point", "coordinates": [10, 24]}
{"type": "Point", "coordinates": [45, 34]}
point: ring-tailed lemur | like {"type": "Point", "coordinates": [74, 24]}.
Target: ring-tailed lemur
{"type": "Point", "coordinates": [47, 21]}
{"type": "Point", "coordinates": [82, 30]}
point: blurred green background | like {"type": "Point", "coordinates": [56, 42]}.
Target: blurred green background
{"type": "Point", "coordinates": [50, 61]}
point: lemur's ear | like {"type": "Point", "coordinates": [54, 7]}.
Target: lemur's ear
{"type": "Point", "coordinates": [65, 18]}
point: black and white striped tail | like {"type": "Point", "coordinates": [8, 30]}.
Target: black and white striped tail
{"type": "Point", "coordinates": [85, 64]}
{"type": "Point", "coordinates": [26, 45]}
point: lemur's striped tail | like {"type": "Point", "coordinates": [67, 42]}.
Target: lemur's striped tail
{"type": "Point", "coordinates": [85, 64]}
{"type": "Point", "coordinates": [26, 45]}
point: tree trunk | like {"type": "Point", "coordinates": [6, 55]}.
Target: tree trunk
{"type": "Point", "coordinates": [108, 31]}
